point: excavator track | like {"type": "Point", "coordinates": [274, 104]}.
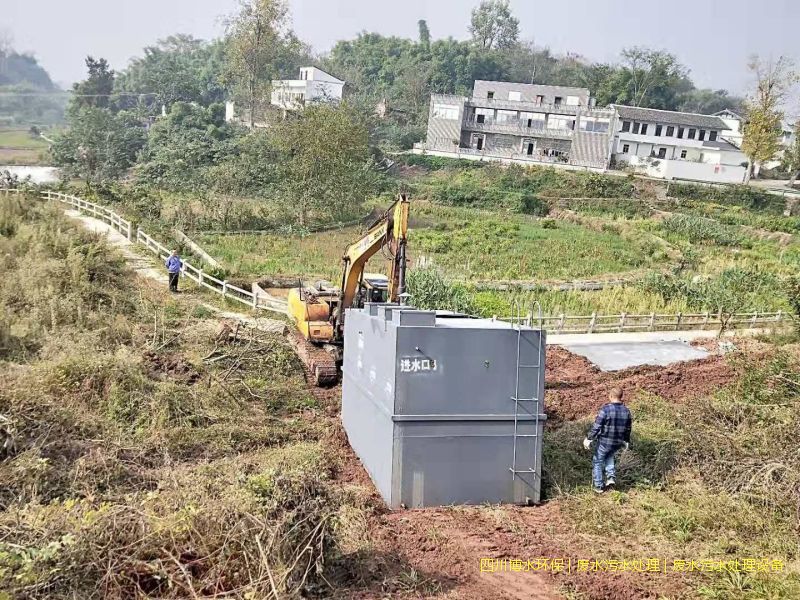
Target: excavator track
{"type": "Point", "coordinates": [318, 364]}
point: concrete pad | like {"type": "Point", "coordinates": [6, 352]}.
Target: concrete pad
{"type": "Point", "coordinates": [618, 356]}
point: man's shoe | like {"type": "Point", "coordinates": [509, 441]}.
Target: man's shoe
{"type": "Point", "coordinates": [610, 483]}
{"type": "Point", "coordinates": [598, 490]}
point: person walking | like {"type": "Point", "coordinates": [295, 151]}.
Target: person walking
{"type": "Point", "coordinates": [174, 265]}
{"type": "Point", "coordinates": [612, 432]}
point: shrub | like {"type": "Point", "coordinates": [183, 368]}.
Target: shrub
{"type": "Point", "coordinates": [739, 195]}
{"type": "Point", "coordinates": [430, 290]}
{"type": "Point", "coordinates": [698, 229]}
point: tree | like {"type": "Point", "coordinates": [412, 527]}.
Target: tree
{"type": "Point", "coordinates": [792, 155]}
{"type": "Point", "coordinates": [99, 144]}
{"type": "Point", "coordinates": [773, 80]}
{"type": "Point", "coordinates": [493, 25]}
{"type": "Point", "coordinates": [179, 68]}
{"type": "Point", "coordinates": [424, 33]}
{"type": "Point", "coordinates": [708, 102]}
{"type": "Point", "coordinates": [96, 90]}
{"type": "Point", "coordinates": [650, 78]}
{"type": "Point", "coordinates": [326, 171]}
{"type": "Point", "coordinates": [259, 38]}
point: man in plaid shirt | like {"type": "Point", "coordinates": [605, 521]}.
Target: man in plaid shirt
{"type": "Point", "coordinates": [612, 431]}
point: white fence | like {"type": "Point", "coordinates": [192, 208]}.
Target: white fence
{"type": "Point", "coordinates": [196, 274]}
{"type": "Point", "coordinates": [625, 322]}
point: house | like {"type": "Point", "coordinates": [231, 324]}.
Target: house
{"type": "Point", "coordinates": [522, 123]}
{"type": "Point", "coordinates": [676, 145]}
{"type": "Point", "coordinates": [313, 85]}
{"type": "Point", "coordinates": [735, 124]}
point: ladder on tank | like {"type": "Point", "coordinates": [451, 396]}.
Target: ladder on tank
{"type": "Point", "coordinates": [521, 403]}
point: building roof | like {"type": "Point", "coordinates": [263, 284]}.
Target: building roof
{"type": "Point", "coordinates": [668, 117]}
{"type": "Point", "coordinates": [721, 144]}
{"type": "Point", "coordinates": [728, 113]}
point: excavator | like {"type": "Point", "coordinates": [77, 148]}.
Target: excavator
{"type": "Point", "coordinates": [318, 311]}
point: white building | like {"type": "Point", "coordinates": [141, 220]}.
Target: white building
{"type": "Point", "coordinates": [314, 85]}
{"type": "Point", "coordinates": [735, 124]}
{"type": "Point", "coordinates": [676, 145]}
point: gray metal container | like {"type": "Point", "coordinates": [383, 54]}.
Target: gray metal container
{"type": "Point", "coordinates": [444, 410]}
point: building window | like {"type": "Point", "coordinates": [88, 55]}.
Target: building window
{"type": "Point", "coordinates": [670, 131]}
{"type": "Point", "coordinates": [490, 95]}
{"type": "Point", "coordinates": [635, 127]}
{"type": "Point", "coordinates": [626, 126]}
{"type": "Point", "coordinates": [557, 101]}
{"type": "Point", "coordinates": [506, 116]}
{"type": "Point", "coordinates": [662, 153]}
{"type": "Point", "coordinates": [683, 153]}
{"type": "Point", "coordinates": [480, 118]}
{"type": "Point", "coordinates": [594, 124]}
{"type": "Point", "coordinates": [680, 133]}
{"type": "Point", "coordinates": [514, 96]}
{"type": "Point", "coordinates": [692, 133]}
{"type": "Point", "coordinates": [702, 135]}
{"type": "Point", "coordinates": [445, 111]}
{"type": "Point", "coordinates": [573, 101]}
{"type": "Point", "coordinates": [540, 99]}
{"type": "Point", "coordinates": [626, 148]}
{"type": "Point", "coordinates": [658, 130]}
{"type": "Point", "coordinates": [712, 136]}
{"type": "Point", "coordinates": [644, 128]}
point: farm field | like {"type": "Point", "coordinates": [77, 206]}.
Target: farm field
{"type": "Point", "coordinates": [18, 147]}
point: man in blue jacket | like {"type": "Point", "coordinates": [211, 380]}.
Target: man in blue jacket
{"type": "Point", "coordinates": [612, 431]}
{"type": "Point", "coordinates": [174, 264]}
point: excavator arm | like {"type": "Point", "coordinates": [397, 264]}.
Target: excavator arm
{"type": "Point", "coordinates": [390, 231]}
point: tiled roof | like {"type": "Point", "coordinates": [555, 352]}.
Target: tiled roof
{"type": "Point", "coordinates": [668, 117]}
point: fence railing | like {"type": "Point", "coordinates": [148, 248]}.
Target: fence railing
{"type": "Point", "coordinates": [223, 287]}
{"type": "Point", "coordinates": [624, 322]}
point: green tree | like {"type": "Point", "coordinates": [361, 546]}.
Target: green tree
{"type": "Point", "coordinates": [493, 25]}
{"type": "Point", "coordinates": [772, 82]}
{"type": "Point", "coordinates": [96, 90]}
{"type": "Point", "coordinates": [424, 33]}
{"type": "Point", "coordinates": [792, 156]}
{"type": "Point", "coordinates": [708, 102]}
{"type": "Point", "coordinates": [650, 78]}
{"type": "Point", "coordinates": [259, 42]}
{"type": "Point", "coordinates": [179, 68]}
{"type": "Point", "coordinates": [327, 171]}
{"type": "Point", "coordinates": [99, 144]}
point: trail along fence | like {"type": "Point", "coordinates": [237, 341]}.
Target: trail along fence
{"type": "Point", "coordinates": [223, 287]}
{"type": "Point", "coordinates": [573, 324]}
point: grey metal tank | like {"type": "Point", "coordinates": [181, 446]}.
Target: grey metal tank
{"type": "Point", "coordinates": [444, 409]}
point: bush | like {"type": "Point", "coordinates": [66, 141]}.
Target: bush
{"type": "Point", "coordinates": [739, 195]}
{"type": "Point", "coordinates": [431, 291]}
{"type": "Point", "coordinates": [699, 229]}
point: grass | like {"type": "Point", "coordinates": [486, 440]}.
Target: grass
{"type": "Point", "coordinates": [715, 479]}
{"type": "Point", "coordinates": [151, 459]}
{"type": "Point", "coordinates": [18, 147]}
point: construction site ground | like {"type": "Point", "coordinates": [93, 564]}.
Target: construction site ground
{"type": "Point", "coordinates": [442, 548]}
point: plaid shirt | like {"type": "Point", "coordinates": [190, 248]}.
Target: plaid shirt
{"type": "Point", "coordinates": [613, 424]}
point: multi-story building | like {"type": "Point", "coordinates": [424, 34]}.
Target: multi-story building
{"type": "Point", "coordinates": [314, 85]}
{"type": "Point", "coordinates": [517, 122]}
{"type": "Point", "coordinates": [676, 145]}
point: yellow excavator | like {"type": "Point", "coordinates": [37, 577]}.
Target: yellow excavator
{"type": "Point", "coordinates": [318, 311]}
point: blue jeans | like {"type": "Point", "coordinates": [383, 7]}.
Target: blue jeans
{"type": "Point", "coordinates": [603, 460]}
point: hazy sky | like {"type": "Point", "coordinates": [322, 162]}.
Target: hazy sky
{"type": "Point", "coordinates": [712, 37]}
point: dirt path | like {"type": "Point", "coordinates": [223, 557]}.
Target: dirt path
{"type": "Point", "coordinates": [143, 265]}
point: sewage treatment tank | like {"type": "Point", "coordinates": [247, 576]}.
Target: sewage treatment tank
{"type": "Point", "coordinates": [444, 409]}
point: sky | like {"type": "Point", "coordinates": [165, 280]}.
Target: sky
{"type": "Point", "coordinates": [713, 38]}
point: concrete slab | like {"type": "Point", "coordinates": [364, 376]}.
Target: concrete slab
{"type": "Point", "coordinates": [612, 356]}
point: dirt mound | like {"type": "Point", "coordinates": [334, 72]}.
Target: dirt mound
{"type": "Point", "coordinates": [575, 388]}
{"type": "Point", "coordinates": [170, 366]}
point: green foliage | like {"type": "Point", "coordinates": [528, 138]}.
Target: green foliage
{"type": "Point", "coordinates": [493, 26]}
{"type": "Point", "coordinates": [179, 68]}
{"type": "Point", "coordinates": [326, 172]}
{"type": "Point", "coordinates": [431, 291]}
{"type": "Point", "coordinates": [438, 163]}
{"type": "Point", "coordinates": [99, 144]}
{"type": "Point", "coordinates": [701, 230]}
{"type": "Point", "coordinates": [95, 91]}
{"type": "Point", "coordinates": [183, 146]}
{"type": "Point", "coordinates": [733, 290]}
{"type": "Point", "coordinates": [793, 294]}
{"type": "Point", "coordinates": [736, 195]}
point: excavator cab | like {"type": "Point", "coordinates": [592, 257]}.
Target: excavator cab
{"type": "Point", "coordinates": [318, 312]}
